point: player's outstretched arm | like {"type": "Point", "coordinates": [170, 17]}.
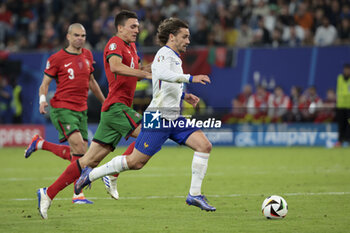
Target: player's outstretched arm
{"type": "Point", "coordinates": [161, 69]}
{"type": "Point", "coordinates": [95, 88]}
{"type": "Point", "coordinates": [43, 89]}
{"type": "Point", "coordinates": [203, 79]}
{"type": "Point", "coordinates": [118, 67]}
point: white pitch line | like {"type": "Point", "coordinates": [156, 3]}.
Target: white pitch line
{"type": "Point", "coordinates": [175, 197]}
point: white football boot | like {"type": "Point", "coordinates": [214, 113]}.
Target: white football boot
{"type": "Point", "coordinates": [111, 186]}
{"type": "Point", "coordinates": [44, 202]}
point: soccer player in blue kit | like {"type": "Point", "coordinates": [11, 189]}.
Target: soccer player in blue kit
{"type": "Point", "coordinates": [167, 80]}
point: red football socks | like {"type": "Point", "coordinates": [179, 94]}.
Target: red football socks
{"type": "Point", "coordinates": [127, 152]}
{"type": "Point", "coordinates": [71, 173]}
{"type": "Point", "coordinates": [74, 158]}
{"type": "Point", "coordinates": [62, 151]}
{"type": "Point", "coordinates": [129, 149]}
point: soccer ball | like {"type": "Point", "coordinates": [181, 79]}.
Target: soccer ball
{"type": "Point", "coordinates": [274, 207]}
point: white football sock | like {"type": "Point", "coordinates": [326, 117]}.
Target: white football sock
{"type": "Point", "coordinates": [39, 146]}
{"type": "Point", "coordinates": [116, 165]}
{"type": "Point", "coordinates": [199, 168]}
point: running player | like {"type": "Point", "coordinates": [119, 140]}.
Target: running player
{"type": "Point", "coordinates": [167, 79]}
{"type": "Point", "coordinates": [72, 69]}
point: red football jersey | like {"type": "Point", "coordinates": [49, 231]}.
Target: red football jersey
{"type": "Point", "coordinates": [121, 88]}
{"type": "Point", "coordinates": [72, 74]}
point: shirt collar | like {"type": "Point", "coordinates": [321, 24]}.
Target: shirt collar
{"type": "Point", "coordinates": [173, 51]}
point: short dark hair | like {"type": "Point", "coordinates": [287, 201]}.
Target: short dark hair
{"type": "Point", "coordinates": [123, 16]}
{"type": "Point", "coordinates": [169, 26]}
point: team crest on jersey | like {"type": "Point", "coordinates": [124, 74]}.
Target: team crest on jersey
{"type": "Point", "coordinates": [68, 127]}
{"type": "Point", "coordinates": [137, 115]}
{"type": "Point", "coordinates": [160, 58]}
{"type": "Point", "coordinates": [47, 65]}
{"type": "Point", "coordinates": [112, 46]}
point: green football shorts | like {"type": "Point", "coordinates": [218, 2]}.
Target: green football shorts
{"type": "Point", "coordinates": [117, 122]}
{"type": "Point", "coordinates": [67, 121]}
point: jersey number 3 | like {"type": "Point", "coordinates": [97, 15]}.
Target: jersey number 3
{"type": "Point", "coordinates": [71, 73]}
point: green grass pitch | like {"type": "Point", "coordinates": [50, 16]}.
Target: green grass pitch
{"type": "Point", "coordinates": [314, 181]}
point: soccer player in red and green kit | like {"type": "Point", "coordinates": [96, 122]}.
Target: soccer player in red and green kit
{"type": "Point", "coordinates": [118, 119]}
{"type": "Point", "coordinates": [72, 69]}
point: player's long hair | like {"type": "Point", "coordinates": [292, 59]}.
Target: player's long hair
{"type": "Point", "coordinates": [167, 27]}
{"type": "Point", "coordinates": [123, 16]}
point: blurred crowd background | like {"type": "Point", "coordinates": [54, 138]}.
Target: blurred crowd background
{"type": "Point", "coordinates": [42, 24]}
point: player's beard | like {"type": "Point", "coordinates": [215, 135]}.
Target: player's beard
{"type": "Point", "coordinates": [182, 48]}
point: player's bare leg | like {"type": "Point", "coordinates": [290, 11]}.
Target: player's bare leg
{"type": "Point", "coordinates": [94, 155]}
{"type": "Point", "coordinates": [136, 132]}
{"type": "Point", "coordinates": [202, 148]}
{"type": "Point", "coordinates": [77, 143]}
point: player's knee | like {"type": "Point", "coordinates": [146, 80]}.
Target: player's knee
{"type": "Point", "coordinates": [205, 147]}
{"type": "Point", "coordinates": [208, 147]}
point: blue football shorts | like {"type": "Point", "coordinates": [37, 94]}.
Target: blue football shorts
{"type": "Point", "coordinates": [150, 141]}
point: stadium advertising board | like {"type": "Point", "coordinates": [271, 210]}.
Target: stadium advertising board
{"type": "Point", "coordinates": [297, 134]}
{"type": "Point", "coordinates": [248, 135]}
{"type": "Point", "coordinates": [19, 135]}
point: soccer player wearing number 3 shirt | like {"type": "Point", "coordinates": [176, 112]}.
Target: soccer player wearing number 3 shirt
{"type": "Point", "coordinates": [72, 69]}
{"type": "Point", "coordinates": [167, 80]}
{"type": "Point", "coordinates": [118, 119]}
